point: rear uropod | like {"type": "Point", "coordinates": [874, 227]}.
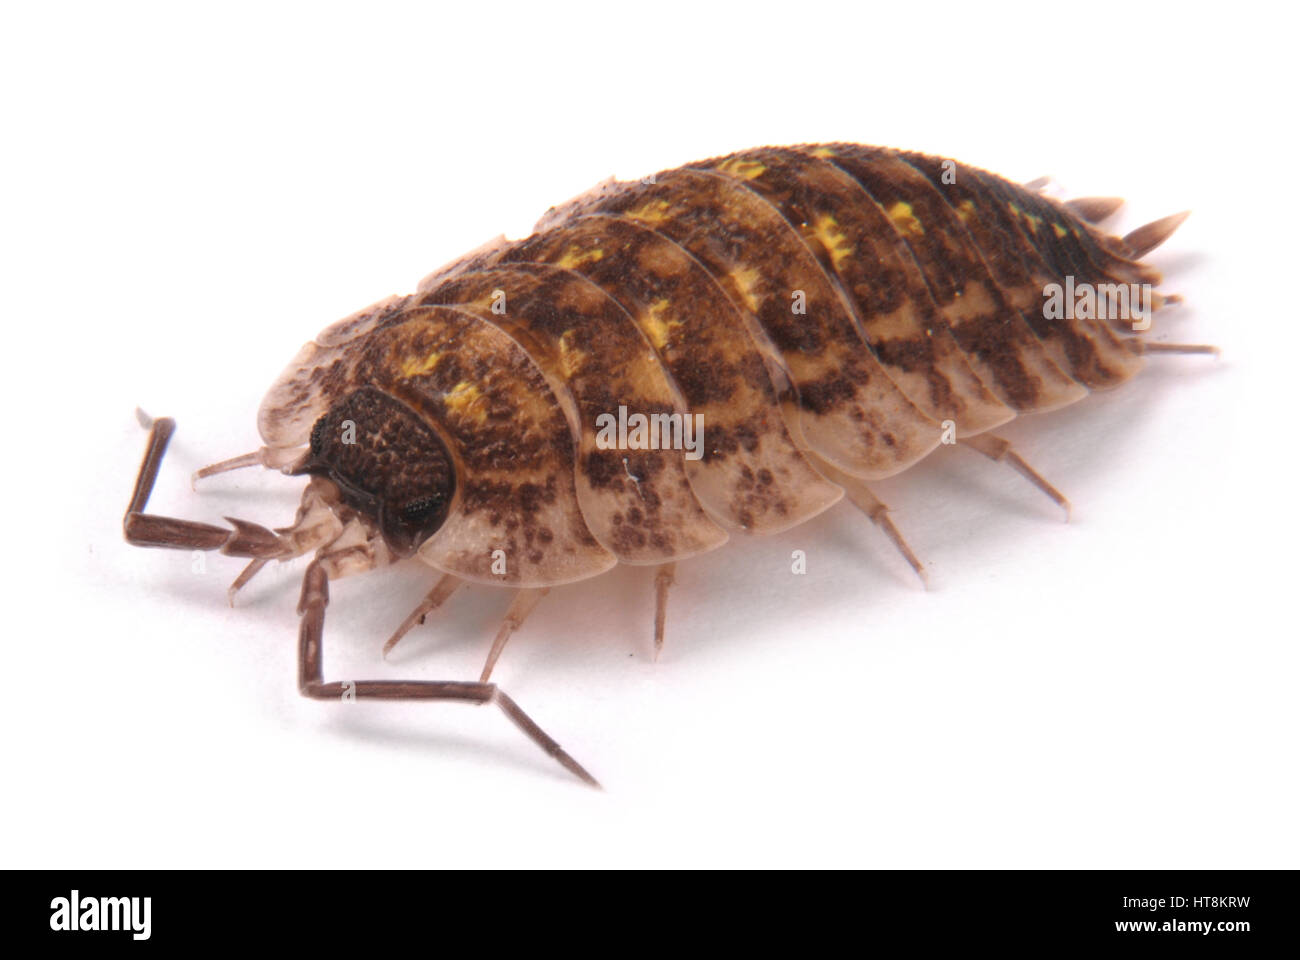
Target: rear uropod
{"type": "Point", "coordinates": [728, 347]}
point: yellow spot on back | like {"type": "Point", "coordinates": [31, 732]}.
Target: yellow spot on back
{"type": "Point", "coordinates": [571, 358]}
{"type": "Point", "coordinates": [463, 398]}
{"type": "Point", "coordinates": [823, 152]}
{"type": "Point", "coordinates": [746, 279]}
{"type": "Point", "coordinates": [965, 210]}
{"type": "Point", "coordinates": [905, 220]}
{"type": "Point", "coordinates": [1033, 221]}
{"type": "Point", "coordinates": [654, 325]}
{"type": "Point", "coordinates": [1059, 230]}
{"type": "Point", "coordinates": [414, 366]}
{"type": "Point", "coordinates": [827, 230]}
{"type": "Point", "coordinates": [652, 211]}
{"type": "Point", "coordinates": [744, 169]}
{"type": "Point", "coordinates": [576, 257]}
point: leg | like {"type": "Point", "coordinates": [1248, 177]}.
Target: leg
{"type": "Point", "coordinates": [866, 501]}
{"type": "Point", "coordinates": [520, 608]}
{"type": "Point", "coordinates": [665, 577]}
{"type": "Point", "coordinates": [443, 589]}
{"type": "Point", "coordinates": [860, 496]}
{"type": "Point", "coordinates": [997, 449]}
{"type": "Point", "coordinates": [1144, 347]}
{"type": "Point", "coordinates": [311, 609]}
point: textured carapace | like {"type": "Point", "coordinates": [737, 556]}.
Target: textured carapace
{"type": "Point", "coordinates": [727, 347]}
{"type": "Point", "coordinates": [826, 310]}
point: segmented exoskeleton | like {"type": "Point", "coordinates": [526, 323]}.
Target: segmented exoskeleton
{"type": "Point", "coordinates": [829, 314]}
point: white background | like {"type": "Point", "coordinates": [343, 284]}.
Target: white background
{"type": "Point", "coordinates": [188, 196]}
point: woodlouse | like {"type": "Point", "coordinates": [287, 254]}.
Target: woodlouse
{"type": "Point", "coordinates": [831, 314]}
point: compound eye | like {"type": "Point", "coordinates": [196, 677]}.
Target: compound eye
{"type": "Point", "coordinates": [417, 511]}
{"type": "Point", "coordinates": [389, 465]}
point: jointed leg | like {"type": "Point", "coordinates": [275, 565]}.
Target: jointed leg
{"type": "Point", "coordinates": [311, 608]}
{"type": "Point", "coordinates": [860, 496]}
{"type": "Point", "coordinates": [1145, 347]}
{"type": "Point", "coordinates": [998, 449]}
{"type": "Point", "coordinates": [520, 608]}
{"type": "Point", "coordinates": [866, 501]}
{"type": "Point", "coordinates": [435, 598]}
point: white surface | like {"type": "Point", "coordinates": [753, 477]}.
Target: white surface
{"type": "Point", "coordinates": [189, 196]}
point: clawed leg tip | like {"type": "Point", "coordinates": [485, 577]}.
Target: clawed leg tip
{"type": "Point", "coordinates": [143, 418]}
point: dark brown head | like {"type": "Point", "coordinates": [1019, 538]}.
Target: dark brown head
{"type": "Point", "coordinates": [388, 464]}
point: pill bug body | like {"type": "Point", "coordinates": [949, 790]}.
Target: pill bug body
{"type": "Point", "coordinates": [830, 314]}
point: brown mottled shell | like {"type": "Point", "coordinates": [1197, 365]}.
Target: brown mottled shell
{"type": "Point", "coordinates": [826, 309]}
